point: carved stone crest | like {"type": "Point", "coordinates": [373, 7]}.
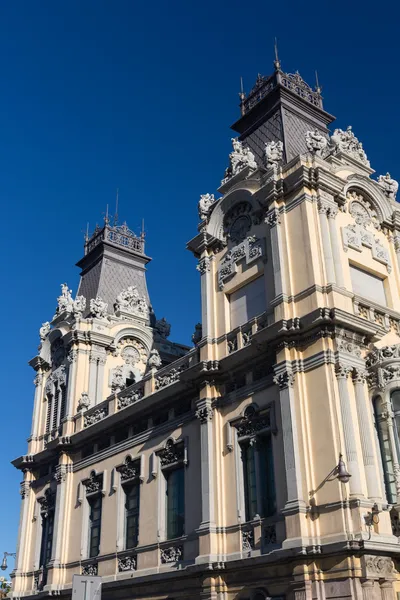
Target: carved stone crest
{"type": "Point", "coordinates": [94, 484]}
{"type": "Point", "coordinates": [172, 453]}
{"type": "Point", "coordinates": [171, 554]}
{"type": "Point", "coordinates": [127, 563]}
{"type": "Point", "coordinates": [129, 470]}
{"type": "Point", "coordinates": [129, 301]}
{"type": "Point", "coordinates": [347, 142]}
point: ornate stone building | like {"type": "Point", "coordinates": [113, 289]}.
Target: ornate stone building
{"type": "Point", "coordinates": [265, 461]}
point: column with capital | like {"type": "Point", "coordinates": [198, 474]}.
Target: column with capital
{"type": "Point", "coordinates": [205, 412]}
{"type": "Point", "coordinates": [368, 592]}
{"type": "Point", "coordinates": [388, 416]}
{"type": "Point", "coordinates": [25, 524]}
{"type": "Point", "coordinates": [274, 221]}
{"type": "Point", "coordinates": [60, 534]}
{"type": "Point", "coordinates": [342, 373]}
{"type": "Point", "coordinates": [372, 474]}
{"type": "Point", "coordinates": [337, 258]}
{"type": "Point", "coordinates": [205, 269]}
{"type": "Point", "coordinates": [323, 210]}
{"type": "Point", "coordinates": [285, 381]}
{"type": "Point", "coordinates": [38, 381]}
{"type": "Point", "coordinates": [72, 359]}
{"type": "Point", "coordinates": [387, 590]}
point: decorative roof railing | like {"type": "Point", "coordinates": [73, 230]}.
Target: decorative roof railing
{"type": "Point", "coordinates": [291, 81]}
{"type": "Point", "coordinates": [119, 235]}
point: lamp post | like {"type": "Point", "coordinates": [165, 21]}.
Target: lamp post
{"type": "Point", "coordinates": [3, 566]}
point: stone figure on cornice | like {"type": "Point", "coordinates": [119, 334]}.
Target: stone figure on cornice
{"type": "Point", "coordinates": [240, 158]}
{"type": "Point", "coordinates": [98, 307]}
{"type": "Point", "coordinates": [44, 330]}
{"type": "Point", "coordinates": [347, 142]}
{"type": "Point", "coordinates": [389, 185]}
{"type": "Point", "coordinates": [154, 361]}
{"type": "Point", "coordinates": [117, 379]}
{"type": "Point", "coordinates": [65, 302]}
{"type": "Point", "coordinates": [84, 402]}
{"type": "Point", "coordinates": [130, 301]}
{"type": "Point", "coordinates": [316, 142]}
{"type": "Point", "coordinates": [273, 154]}
{"type": "Point", "coordinates": [198, 334]}
{"type": "Point", "coordinates": [163, 328]}
{"type": "Point", "coordinates": [205, 205]}
{"type": "Point", "coordinates": [78, 305]}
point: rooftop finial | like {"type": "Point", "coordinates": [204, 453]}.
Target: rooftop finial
{"type": "Point", "coordinates": [87, 233]}
{"type": "Point", "coordinates": [277, 62]}
{"type": "Point", "coordinates": [242, 96]}
{"type": "Point", "coordinates": [116, 209]}
{"type": "Point", "coordinates": [106, 219]}
{"type": "Point", "coordinates": [142, 235]}
{"type": "Point", "coordinates": [318, 89]}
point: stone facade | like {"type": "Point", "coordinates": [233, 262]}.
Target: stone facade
{"type": "Point", "coordinates": [282, 420]}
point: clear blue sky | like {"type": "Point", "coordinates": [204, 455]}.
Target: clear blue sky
{"type": "Point", "coordinates": [96, 95]}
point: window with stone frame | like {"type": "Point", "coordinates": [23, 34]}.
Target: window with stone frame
{"type": "Point", "coordinates": [130, 480]}
{"type": "Point", "coordinates": [254, 435]}
{"type": "Point", "coordinates": [94, 497]}
{"type": "Point", "coordinates": [173, 460]}
{"type": "Point", "coordinates": [47, 509]}
{"type": "Point", "coordinates": [56, 398]}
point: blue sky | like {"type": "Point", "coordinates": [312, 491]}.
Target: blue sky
{"type": "Point", "coordinates": [140, 96]}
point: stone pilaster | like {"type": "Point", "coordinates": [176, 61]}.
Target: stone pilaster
{"type": "Point", "coordinates": [323, 210]}
{"type": "Point", "coordinates": [342, 373]}
{"type": "Point", "coordinates": [387, 590]}
{"type": "Point", "coordinates": [38, 381]}
{"type": "Point", "coordinates": [207, 293]}
{"type": "Point", "coordinates": [368, 592]}
{"type": "Point", "coordinates": [388, 416]}
{"type": "Point", "coordinates": [274, 221]}
{"type": "Point", "coordinates": [73, 360]}
{"type": "Point", "coordinates": [284, 379]}
{"type": "Point", "coordinates": [25, 525]}
{"type": "Point", "coordinates": [366, 434]}
{"type": "Point", "coordinates": [60, 532]}
{"type": "Point", "coordinates": [337, 257]}
{"type": "Point", "coordinates": [205, 414]}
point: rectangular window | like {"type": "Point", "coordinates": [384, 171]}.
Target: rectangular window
{"type": "Point", "coordinates": [367, 285]}
{"type": "Point", "coordinates": [94, 525]}
{"type": "Point", "coordinates": [247, 302]}
{"type": "Point", "coordinates": [258, 475]}
{"type": "Point", "coordinates": [175, 504]}
{"type": "Point", "coordinates": [47, 538]}
{"type": "Point", "coordinates": [132, 495]}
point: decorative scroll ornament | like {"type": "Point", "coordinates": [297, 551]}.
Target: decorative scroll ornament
{"type": "Point", "coordinates": [98, 307]}
{"type": "Point", "coordinates": [198, 334]}
{"type": "Point", "coordinates": [247, 541]}
{"type": "Point", "coordinates": [346, 141]}
{"type": "Point", "coordinates": [205, 414]}
{"type": "Point", "coordinates": [84, 401]}
{"type": "Point", "coordinates": [154, 361]}
{"type": "Point", "coordinates": [44, 330]}
{"type": "Point", "coordinates": [206, 205]}
{"type": "Point", "coordinates": [381, 566]}
{"type": "Point", "coordinates": [250, 250]}
{"type": "Point", "coordinates": [95, 417]}
{"type": "Point", "coordinates": [361, 210]}
{"type": "Point", "coordinates": [129, 301]}
{"type": "Point", "coordinates": [94, 484]}
{"type": "Point", "coordinates": [163, 328]}
{"type": "Point", "coordinates": [47, 502]}
{"type": "Point", "coordinates": [389, 185]}
{"type": "Point", "coordinates": [316, 142]}
{"type": "Point", "coordinates": [129, 470]}
{"type": "Point", "coordinates": [127, 563]}
{"type": "Point", "coordinates": [132, 397]}
{"type": "Point", "coordinates": [239, 159]}
{"type": "Point", "coordinates": [172, 453]}
{"type": "Point", "coordinates": [284, 379]}
{"type": "Point", "coordinates": [204, 265]}
{"type": "Point", "coordinates": [383, 365]}
{"type": "Point", "coordinates": [90, 570]}
{"type": "Point", "coordinates": [171, 554]}
{"type": "Point", "coordinates": [252, 422]}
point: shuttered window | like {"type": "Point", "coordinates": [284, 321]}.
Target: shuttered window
{"type": "Point", "coordinates": [367, 285]}
{"type": "Point", "coordinates": [247, 302]}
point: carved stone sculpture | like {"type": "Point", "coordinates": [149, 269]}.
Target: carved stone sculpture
{"type": "Point", "coordinates": [172, 554]}
{"type": "Point", "coordinates": [163, 327]}
{"type": "Point", "coordinates": [127, 563]}
{"type": "Point", "coordinates": [205, 205]}
{"type": "Point", "coordinates": [117, 379]}
{"type": "Point", "coordinates": [79, 305]}
{"type": "Point", "coordinates": [273, 154]}
{"type": "Point", "coordinates": [64, 302]}
{"type": "Point", "coordinates": [389, 185]}
{"type": "Point", "coordinates": [316, 142]}
{"type": "Point", "coordinates": [98, 307]}
{"type": "Point", "coordinates": [198, 334]}
{"type": "Point", "coordinates": [347, 142]}
{"type": "Point", "coordinates": [84, 401]}
{"type": "Point", "coordinates": [44, 330]}
{"type": "Point", "coordinates": [131, 302]}
{"type": "Point", "coordinates": [154, 361]}
{"type": "Point", "coordinates": [240, 158]}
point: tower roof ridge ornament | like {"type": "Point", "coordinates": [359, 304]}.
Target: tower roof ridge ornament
{"type": "Point", "coordinates": [119, 235]}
